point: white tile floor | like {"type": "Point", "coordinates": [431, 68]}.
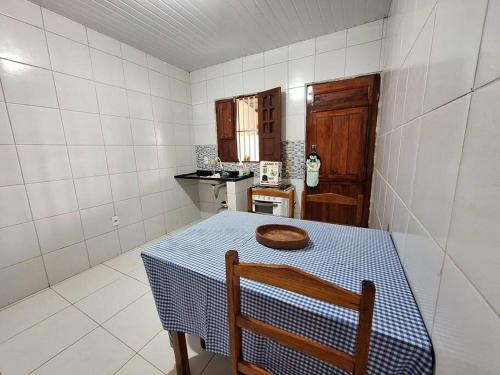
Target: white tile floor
{"type": "Point", "coordinates": [102, 321]}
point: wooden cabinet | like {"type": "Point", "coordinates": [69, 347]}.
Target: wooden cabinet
{"type": "Point", "coordinates": [341, 121]}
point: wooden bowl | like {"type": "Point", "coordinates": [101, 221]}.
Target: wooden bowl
{"type": "Point", "coordinates": [278, 236]}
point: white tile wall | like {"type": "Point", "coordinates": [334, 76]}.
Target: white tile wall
{"type": "Point", "coordinates": [330, 65]}
{"type": "Point", "coordinates": [104, 247]}
{"type": "Point", "coordinates": [75, 93]}
{"type": "Point", "coordinates": [124, 185]}
{"type": "Point", "coordinates": [22, 10]}
{"type": "Point", "coordinates": [22, 42]}
{"type": "Point", "coordinates": [134, 55]}
{"type": "Point", "coordinates": [66, 262]}
{"type": "Point", "coordinates": [438, 159]}
{"type": "Point", "coordinates": [487, 67]}
{"type": "Point", "coordinates": [27, 84]}
{"type": "Point", "coordinates": [36, 125]}
{"type": "Point", "coordinates": [93, 191]}
{"type": "Point", "coordinates": [56, 232]}
{"type": "Point", "coordinates": [63, 26]}
{"type": "Point", "coordinates": [69, 57]}
{"type": "Point", "coordinates": [129, 211]}
{"type": "Point", "coordinates": [473, 224]}
{"type": "Point", "coordinates": [52, 198]}
{"type": "Point", "coordinates": [82, 128]}
{"type": "Point", "coordinates": [5, 129]}
{"type": "Point", "coordinates": [368, 32]}
{"type": "Point", "coordinates": [44, 163]}
{"type": "Point", "coordinates": [327, 57]}
{"type": "Point", "coordinates": [18, 244]}
{"type": "Point", "coordinates": [34, 278]}
{"type": "Point", "coordinates": [466, 329]}
{"type": "Point", "coordinates": [116, 130]}
{"type": "Point", "coordinates": [14, 206]}
{"type": "Point", "coordinates": [104, 43]}
{"type": "Point", "coordinates": [132, 236]}
{"type": "Point", "coordinates": [107, 68]}
{"type": "Point", "coordinates": [9, 164]}
{"type": "Point", "coordinates": [363, 58]}
{"type": "Point", "coordinates": [444, 199]}
{"type": "Point", "coordinates": [87, 161]}
{"type": "Point", "coordinates": [76, 104]}
{"type": "Point", "coordinates": [455, 46]}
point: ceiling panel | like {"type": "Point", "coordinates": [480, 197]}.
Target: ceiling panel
{"type": "Point", "coordinates": [195, 33]}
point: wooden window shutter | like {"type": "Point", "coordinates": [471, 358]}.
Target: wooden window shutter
{"type": "Point", "coordinates": [270, 125]}
{"type": "Point", "coordinates": [226, 130]}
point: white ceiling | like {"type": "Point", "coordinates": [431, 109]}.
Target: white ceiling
{"type": "Point", "coordinates": [196, 33]}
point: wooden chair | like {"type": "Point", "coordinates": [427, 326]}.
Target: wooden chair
{"type": "Point", "coordinates": [295, 280]}
{"type": "Point", "coordinates": [333, 198]}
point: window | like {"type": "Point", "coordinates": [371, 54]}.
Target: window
{"type": "Point", "coordinates": [249, 127]}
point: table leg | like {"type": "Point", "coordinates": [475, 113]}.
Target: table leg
{"type": "Point", "coordinates": [180, 350]}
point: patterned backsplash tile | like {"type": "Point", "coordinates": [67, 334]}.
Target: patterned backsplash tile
{"type": "Point", "coordinates": [292, 157]}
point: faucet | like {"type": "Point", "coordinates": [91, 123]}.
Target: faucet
{"type": "Point", "coordinates": [219, 164]}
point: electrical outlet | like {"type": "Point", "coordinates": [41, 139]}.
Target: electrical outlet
{"type": "Point", "coordinates": [115, 220]}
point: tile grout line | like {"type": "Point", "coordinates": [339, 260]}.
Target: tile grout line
{"type": "Point", "coordinates": [471, 92]}
{"type": "Point", "coordinates": [21, 169]}
{"type": "Point", "coordinates": [202, 372]}
{"type": "Point", "coordinates": [64, 349]}
{"type": "Point", "coordinates": [83, 209]}
{"type": "Point", "coordinates": [450, 222]}
{"type": "Point", "coordinates": [67, 148]}
{"type": "Point", "coordinates": [95, 82]}
{"type": "Point", "coordinates": [112, 316]}
{"type": "Point", "coordinates": [93, 292]}
{"type": "Point", "coordinates": [414, 217]}
{"type": "Point", "coordinates": [135, 158]}
{"type": "Point", "coordinates": [432, 110]}
{"type": "Point", "coordinates": [36, 323]}
{"type": "Point", "coordinates": [83, 177]}
{"type": "Point", "coordinates": [98, 325]}
{"type": "Point", "coordinates": [140, 355]}
{"type": "Point", "coordinates": [115, 228]}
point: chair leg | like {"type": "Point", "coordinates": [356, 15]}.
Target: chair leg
{"type": "Point", "coordinates": [180, 351]}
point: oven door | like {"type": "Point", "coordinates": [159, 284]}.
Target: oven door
{"type": "Point", "coordinates": [264, 207]}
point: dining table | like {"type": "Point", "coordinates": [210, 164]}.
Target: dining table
{"type": "Point", "coordinates": [186, 272]}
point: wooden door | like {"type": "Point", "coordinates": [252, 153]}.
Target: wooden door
{"type": "Point", "coordinates": [341, 121]}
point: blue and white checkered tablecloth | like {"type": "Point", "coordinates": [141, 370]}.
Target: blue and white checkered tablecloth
{"type": "Point", "coordinates": [187, 276]}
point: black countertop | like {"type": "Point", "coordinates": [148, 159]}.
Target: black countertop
{"type": "Point", "coordinates": [194, 176]}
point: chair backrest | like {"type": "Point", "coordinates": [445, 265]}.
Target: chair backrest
{"type": "Point", "coordinates": [333, 198]}
{"type": "Point", "coordinates": [297, 281]}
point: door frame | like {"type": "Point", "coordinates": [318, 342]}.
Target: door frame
{"type": "Point", "coordinates": [365, 92]}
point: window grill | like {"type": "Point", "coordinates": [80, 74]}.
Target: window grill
{"type": "Point", "coordinates": [247, 129]}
